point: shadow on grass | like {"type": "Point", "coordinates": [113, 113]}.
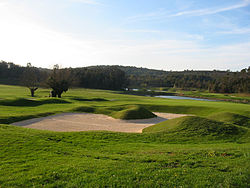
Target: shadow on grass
{"type": "Point", "coordinates": [84, 99]}
{"type": "Point", "coordinates": [233, 118]}
{"type": "Point", "coordinates": [31, 102]}
{"type": "Point", "coordinates": [12, 119]}
{"type": "Point", "coordinates": [197, 110]}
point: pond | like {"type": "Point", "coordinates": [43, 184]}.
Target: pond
{"type": "Point", "coordinates": [182, 98]}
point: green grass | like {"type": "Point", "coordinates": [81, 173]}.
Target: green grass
{"type": "Point", "coordinates": [165, 126]}
{"type": "Point", "coordinates": [210, 149]}
{"type": "Point", "coordinates": [100, 101]}
{"type": "Point", "coordinates": [231, 118]}
{"type": "Point", "coordinates": [235, 97]}
{"type": "Point", "coordinates": [124, 112]}
{"type": "Point", "coordinates": [99, 159]}
{"type": "Point", "coordinates": [198, 128]}
{"type": "Point", "coordinates": [134, 112]}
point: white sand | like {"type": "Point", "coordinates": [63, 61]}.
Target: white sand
{"type": "Point", "coordinates": [67, 122]}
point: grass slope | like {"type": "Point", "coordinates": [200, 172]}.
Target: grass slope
{"type": "Point", "coordinates": [165, 125]}
{"type": "Point", "coordinates": [231, 118]}
{"type": "Point", "coordinates": [198, 128]}
{"type": "Point", "coordinates": [97, 159]}
{"type": "Point", "coordinates": [203, 151]}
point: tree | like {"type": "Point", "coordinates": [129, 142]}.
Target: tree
{"type": "Point", "coordinates": [101, 77]}
{"type": "Point", "coordinates": [30, 78]}
{"type": "Point", "coordinates": [60, 81]}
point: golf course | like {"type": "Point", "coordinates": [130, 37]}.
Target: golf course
{"type": "Point", "coordinates": [201, 144]}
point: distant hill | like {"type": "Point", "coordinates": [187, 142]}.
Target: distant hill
{"type": "Point", "coordinates": [214, 81]}
{"type": "Point", "coordinates": [118, 77]}
{"type": "Point", "coordinates": [132, 70]}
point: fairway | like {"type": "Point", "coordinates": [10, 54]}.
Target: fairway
{"type": "Point", "coordinates": [208, 149]}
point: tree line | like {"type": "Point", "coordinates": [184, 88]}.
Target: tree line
{"type": "Point", "coordinates": [214, 81]}
{"type": "Point", "coordinates": [60, 80]}
{"type": "Point", "coordinates": [121, 77]}
{"type": "Point", "coordinates": [97, 77]}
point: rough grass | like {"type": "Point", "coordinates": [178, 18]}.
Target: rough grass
{"type": "Point", "coordinates": [231, 118]}
{"type": "Point", "coordinates": [32, 158]}
{"type": "Point", "coordinates": [165, 126]}
{"type": "Point", "coordinates": [197, 127]}
{"type": "Point", "coordinates": [185, 152]}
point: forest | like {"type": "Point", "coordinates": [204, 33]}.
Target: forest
{"type": "Point", "coordinates": [121, 77]}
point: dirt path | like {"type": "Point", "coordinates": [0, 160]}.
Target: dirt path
{"type": "Point", "coordinates": [68, 122]}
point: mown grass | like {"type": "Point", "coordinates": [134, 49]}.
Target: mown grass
{"type": "Point", "coordinates": [102, 101]}
{"type": "Point", "coordinates": [210, 149]}
{"type": "Point", "coordinates": [235, 97]}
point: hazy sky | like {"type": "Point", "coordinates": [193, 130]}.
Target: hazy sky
{"type": "Point", "coordinates": [160, 34]}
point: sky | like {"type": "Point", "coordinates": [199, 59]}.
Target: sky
{"type": "Point", "coordinates": [159, 34]}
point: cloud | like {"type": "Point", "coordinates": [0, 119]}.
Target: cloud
{"type": "Point", "coordinates": [159, 14]}
{"type": "Point", "coordinates": [201, 12]}
{"type": "Point", "coordinates": [3, 4]}
{"type": "Point", "coordinates": [43, 47]}
{"type": "Point", "coordinates": [163, 14]}
{"type": "Point", "coordinates": [194, 36]}
{"type": "Point", "coordinates": [90, 2]}
{"type": "Point", "coordinates": [24, 41]}
{"type": "Point", "coordinates": [138, 31]}
{"type": "Point", "coordinates": [237, 31]}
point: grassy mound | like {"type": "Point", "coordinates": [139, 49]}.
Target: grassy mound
{"type": "Point", "coordinates": [231, 118]}
{"type": "Point", "coordinates": [86, 109]}
{"type": "Point", "coordinates": [119, 112]}
{"type": "Point", "coordinates": [165, 126]}
{"type": "Point", "coordinates": [197, 127]}
{"type": "Point", "coordinates": [23, 102]}
{"type": "Point", "coordinates": [134, 112]}
{"type": "Point", "coordinates": [181, 109]}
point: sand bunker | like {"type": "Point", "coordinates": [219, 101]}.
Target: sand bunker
{"type": "Point", "coordinates": [68, 122]}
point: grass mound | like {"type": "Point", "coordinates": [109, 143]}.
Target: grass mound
{"type": "Point", "coordinates": [85, 109]}
{"type": "Point", "coordinates": [231, 118]}
{"type": "Point", "coordinates": [165, 126]}
{"type": "Point", "coordinates": [181, 109]}
{"type": "Point", "coordinates": [119, 112]}
{"type": "Point", "coordinates": [134, 112]}
{"type": "Point", "coordinates": [31, 102]}
{"type": "Point", "coordinates": [197, 127]}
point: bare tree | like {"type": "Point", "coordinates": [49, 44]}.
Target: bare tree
{"type": "Point", "coordinates": [30, 79]}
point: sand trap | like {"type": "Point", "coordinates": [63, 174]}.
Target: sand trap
{"type": "Point", "coordinates": [68, 122]}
